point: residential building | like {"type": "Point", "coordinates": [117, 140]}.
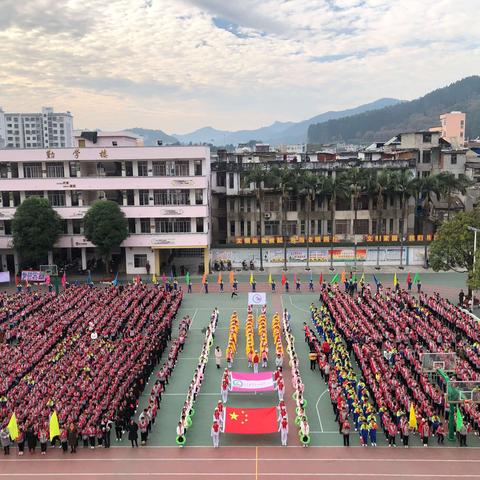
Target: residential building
{"type": "Point", "coordinates": [234, 205]}
{"type": "Point", "coordinates": [47, 129]}
{"type": "Point", "coordinates": [86, 138]}
{"type": "Point", "coordinates": [163, 191]}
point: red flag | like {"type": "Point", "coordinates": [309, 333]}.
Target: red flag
{"type": "Point", "coordinates": [18, 281]}
{"type": "Point", "coordinates": [409, 278]}
{"type": "Point", "coordinates": [294, 278]}
{"type": "Point", "coordinates": [204, 279]}
{"type": "Point", "coordinates": [231, 277]}
{"type": "Point", "coordinates": [284, 278]}
{"type": "Point", "coordinates": [26, 282]}
{"type": "Point", "coordinates": [251, 420]}
{"type": "Point", "coordinates": [64, 279]}
{"type": "Point", "coordinates": [320, 280]}
{"type": "Point", "coordinates": [47, 279]}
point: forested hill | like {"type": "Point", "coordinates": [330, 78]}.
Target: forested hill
{"type": "Point", "coordinates": [422, 113]}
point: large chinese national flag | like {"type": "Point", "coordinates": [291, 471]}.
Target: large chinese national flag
{"type": "Point", "coordinates": [251, 420]}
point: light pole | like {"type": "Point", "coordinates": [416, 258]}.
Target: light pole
{"type": "Point", "coordinates": [474, 230]}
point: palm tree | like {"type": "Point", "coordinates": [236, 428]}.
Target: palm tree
{"type": "Point", "coordinates": [285, 180]}
{"type": "Point", "coordinates": [259, 175]}
{"type": "Point", "coordinates": [448, 185]}
{"type": "Point", "coordinates": [356, 179]}
{"type": "Point", "coordinates": [378, 183]}
{"type": "Point", "coordinates": [423, 190]}
{"type": "Point", "coordinates": [309, 185]}
{"type": "Point", "coordinates": [402, 186]}
{"type": "Point", "coordinates": [334, 187]}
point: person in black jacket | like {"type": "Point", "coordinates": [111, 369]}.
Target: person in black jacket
{"type": "Point", "coordinates": [133, 433]}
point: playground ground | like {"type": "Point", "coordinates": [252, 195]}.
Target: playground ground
{"type": "Point", "coordinates": [259, 457]}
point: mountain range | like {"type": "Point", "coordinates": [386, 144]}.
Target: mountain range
{"type": "Point", "coordinates": [375, 121]}
{"type": "Point", "coordinates": [421, 113]}
{"type": "Point", "coordinates": [276, 133]}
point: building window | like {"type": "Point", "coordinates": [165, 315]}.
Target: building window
{"type": "Point", "coordinates": [33, 193]}
{"type": "Point", "coordinates": [427, 138]}
{"type": "Point", "coordinates": [75, 198]}
{"type": "Point", "coordinates": [143, 197]}
{"type": "Point", "coordinates": [199, 225]}
{"type": "Point", "coordinates": [171, 197]}
{"type": "Point", "coordinates": [221, 179]}
{"type": "Point", "coordinates": [181, 168]}
{"type": "Point", "coordinates": [426, 156]}
{"type": "Point", "coordinates": [142, 169]}
{"type": "Point", "coordinates": [8, 227]}
{"type": "Point", "coordinates": [249, 229]}
{"type": "Point", "coordinates": [400, 226]}
{"type": "Point", "coordinates": [198, 197]}
{"type": "Point", "coordinates": [145, 225]}
{"type": "Point", "coordinates": [140, 260]}
{"type": "Point", "coordinates": [114, 143]}
{"type": "Point", "coordinates": [56, 198]}
{"type": "Point", "coordinates": [302, 227]}
{"type": "Point", "coordinates": [453, 159]}
{"type": "Point", "coordinates": [74, 167]}
{"type": "Point", "coordinates": [32, 170]}
{"type": "Point", "coordinates": [231, 204]}
{"type": "Point", "coordinates": [173, 225]}
{"type": "Point", "coordinates": [198, 168]}
{"type": "Point", "coordinates": [77, 226]}
{"type": "Point", "coordinates": [232, 229]}
{"type": "Point", "coordinates": [271, 205]}
{"type": "Point", "coordinates": [272, 227]}
{"type": "Point", "coordinates": [292, 204]}
{"type": "Point", "coordinates": [391, 225]}
{"type": "Point", "coordinates": [55, 170]}
{"type": "Point", "coordinates": [159, 169]}
{"type": "Point", "coordinates": [230, 180]}
{"type": "Point", "coordinates": [341, 227]}
{"type": "Point", "coordinates": [131, 225]}
{"type": "Point", "coordinates": [291, 228]}
{"type": "Point", "coordinates": [360, 227]}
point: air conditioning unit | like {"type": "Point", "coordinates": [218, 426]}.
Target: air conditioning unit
{"type": "Point", "coordinates": [101, 195]}
{"type": "Point", "coordinates": [267, 215]}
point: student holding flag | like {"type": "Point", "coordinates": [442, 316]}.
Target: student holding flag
{"type": "Point", "coordinates": [220, 282]}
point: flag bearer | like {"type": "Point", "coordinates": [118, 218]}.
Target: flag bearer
{"type": "Point", "coordinates": [284, 431]}
{"type": "Point", "coordinates": [215, 433]}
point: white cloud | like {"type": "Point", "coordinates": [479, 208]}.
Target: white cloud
{"type": "Point", "coordinates": [165, 64]}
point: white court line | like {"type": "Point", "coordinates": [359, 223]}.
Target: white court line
{"type": "Point", "coordinates": [318, 411]}
{"type": "Point", "coordinates": [297, 307]}
{"type": "Point", "coordinates": [262, 474]}
{"type": "Point", "coordinates": [238, 459]}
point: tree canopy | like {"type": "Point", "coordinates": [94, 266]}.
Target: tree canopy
{"type": "Point", "coordinates": [453, 246]}
{"type": "Point", "coordinates": [106, 227]}
{"type": "Point", "coordinates": [35, 227]}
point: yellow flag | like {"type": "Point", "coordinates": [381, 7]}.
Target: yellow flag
{"type": "Point", "coordinates": [412, 422]}
{"type": "Point", "coordinates": [54, 427]}
{"type": "Point", "coordinates": [154, 278]}
{"type": "Point", "coordinates": [219, 280]}
{"type": "Point", "coordinates": [251, 278]}
{"type": "Point", "coordinates": [362, 278]}
{"type": "Point", "coordinates": [395, 280]}
{"type": "Point", "coordinates": [13, 427]}
{"type": "Point", "coordinates": [270, 278]}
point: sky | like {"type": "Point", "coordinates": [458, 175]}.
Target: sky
{"type": "Point", "coordinates": [178, 65]}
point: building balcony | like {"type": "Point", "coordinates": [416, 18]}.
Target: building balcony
{"type": "Point", "coordinates": [140, 211]}
{"type": "Point", "coordinates": [102, 183]}
{"type": "Point", "coordinates": [150, 240]}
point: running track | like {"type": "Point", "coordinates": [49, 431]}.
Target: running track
{"type": "Point", "coordinates": [248, 463]}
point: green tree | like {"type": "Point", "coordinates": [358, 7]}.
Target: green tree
{"type": "Point", "coordinates": [356, 179]}
{"type": "Point", "coordinates": [310, 185]}
{"type": "Point", "coordinates": [36, 227]}
{"type": "Point", "coordinates": [259, 175]}
{"type": "Point", "coordinates": [401, 183]}
{"type": "Point", "coordinates": [453, 247]}
{"type": "Point", "coordinates": [106, 227]}
{"type": "Point", "coordinates": [285, 180]}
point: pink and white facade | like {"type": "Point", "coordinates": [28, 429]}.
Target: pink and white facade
{"type": "Point", "coordinates": [163, 191]}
